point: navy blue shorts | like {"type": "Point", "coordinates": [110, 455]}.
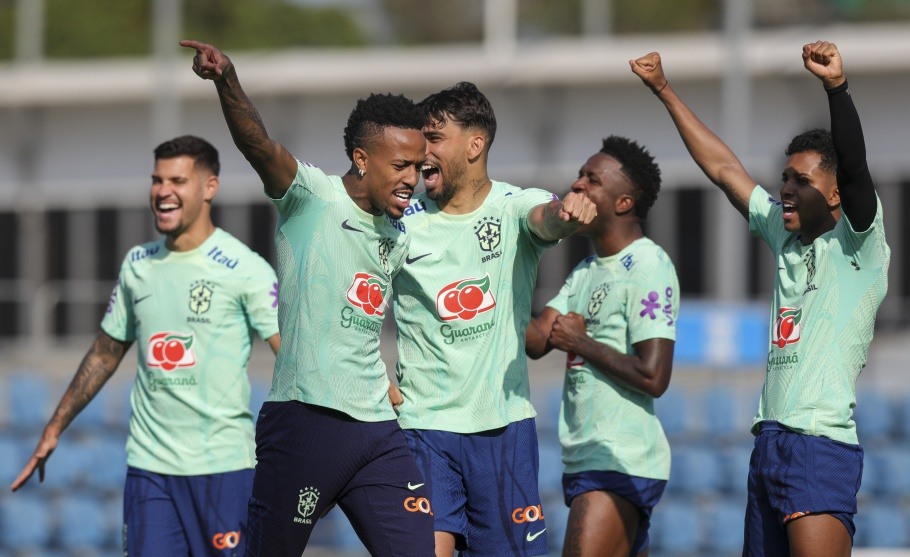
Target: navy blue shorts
{"type": "Point", "coordinates": [484, 488]}
{"type": "Point", "coordinates": [793, 475]}
{"type": "Point", "coordinates": [311, 458]}
{"type": "Point", "coordinates": [167, 515]}
{"type": "Point", "coordinates": [643, 493]}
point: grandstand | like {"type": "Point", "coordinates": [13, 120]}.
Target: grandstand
{"type": "Point", "coordinates": [75, 143]}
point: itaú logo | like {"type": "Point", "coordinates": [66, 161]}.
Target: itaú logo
{"type": "Point", "coordinates": [226, 540]}
{"type": "Point", "coordinates": [418, 505]}
{"type": "Point", "coordinates": [527, 514]}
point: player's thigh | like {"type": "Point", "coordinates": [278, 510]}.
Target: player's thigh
{"type": "Point", "coordinates": [151, 523]}
{"type": "Point", "coordinates": [601, 524]}
{"type": "Point", "coordinates": [391, 514]}
{"type": "Point", "coordinates": [821, 535]}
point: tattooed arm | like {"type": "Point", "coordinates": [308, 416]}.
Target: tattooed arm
{"type": "Point", "coordinates": [275, 165]}
{"type": "Point", "coordinates": [558, 219]}
{"type": "Point", "coordinates": [99, 363]}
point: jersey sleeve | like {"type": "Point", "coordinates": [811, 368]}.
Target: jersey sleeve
{"type": "Point", "coordinates": [652, 301]}
{"type": "Point", "coordinates": [118, 320]}
{"type": "Point", "coordinates": [868, 247]}
{"type": "Point", "coordinates": [261, 300]}
{"type": "Point", "coordinates": [765, 218]}
{"type": "Point", "coordinates": [309, 185]}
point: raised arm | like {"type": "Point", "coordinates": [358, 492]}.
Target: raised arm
{"type": "Point", "coordinates": [712, 155]}
{"type": "Point", "coordinates": [275, 165]}
{"type": "Point", "coordinates": [647, 369]}
{"type": "Point", "coordinates": [99, 363]}
{"type": "Point", "coordinates": [854, 182]}
{"type": "Point", "coordinates": [559, 219]}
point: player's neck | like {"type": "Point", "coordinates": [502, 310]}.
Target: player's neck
{"type": "Point", "coordinates": [468, 196]}
{"type": "Point", "coordinates": [191, 238]}
{"type": "Point", "coordinates": [613, 239]}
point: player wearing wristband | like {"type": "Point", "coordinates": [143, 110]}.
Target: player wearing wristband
{"type": "Point", "coordinates": [826, 232]}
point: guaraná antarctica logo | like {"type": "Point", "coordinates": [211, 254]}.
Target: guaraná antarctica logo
{"type": "Point", "coordinates": [787, 328]}
{"type": "Point", "coordinates": [170, 350]}
{"type": "Point", "coordinates": [368, 293]}
{"type": "Point", "coordinates": [464, 299]}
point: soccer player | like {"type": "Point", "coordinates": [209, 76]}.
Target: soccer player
{"type": "Point", "coordinates": [826, 232]}
{"type": "Point", "coordinates": [191, 302]}
{"type": "Point", "coordinates": [462, 302]}
{"type": "Point", "coordinates": [328, 433]}
{"type": "Point", "coordinates": [615, 318]}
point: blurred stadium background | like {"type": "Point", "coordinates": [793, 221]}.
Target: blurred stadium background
{"type": "Point", "coordinates": [88, 89]}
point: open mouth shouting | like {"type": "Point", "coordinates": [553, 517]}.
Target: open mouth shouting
{"type": "Point", "coordinates": [431, 176]}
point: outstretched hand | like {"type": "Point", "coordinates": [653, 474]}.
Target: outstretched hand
{"type": "Point", "coordinates": [209, 62]}
{"type": "Point", "coordinates": [650, 70]}
{"type": "Point", "coordinates": [823, 60]}
{"type": "Point", "coordinates": [36, 462]}
{"type": "Point", "coordinates": [576, 207]}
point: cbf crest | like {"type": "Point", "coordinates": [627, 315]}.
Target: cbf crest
{"type": "Point", "coordinates": [201, 293]}
{"type": "Point", "coordinates": [597, 299]}
{"type": "Point", "coordinates": [306, 504]}
{"type": "Point", "coordinates": [385, 249]}
{"type": "Point", "coordinates": [488, 233]}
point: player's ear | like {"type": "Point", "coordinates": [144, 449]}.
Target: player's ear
{"type": "Point", "coordinates": [624, 203]}
{"type": "Point", "coordinates": [211, 187]}
{"type": "Point", "coordinates": [476, 146]}
{"type": "Point", "coordinates": [360, 158]}
{"type": "Point", "coordinates": [834, 197]}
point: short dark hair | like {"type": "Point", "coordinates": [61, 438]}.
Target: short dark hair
{"type": "Point", "coordinates": [375, 113]}
{"type": "Point", "coordinates": [203, 153]}
{"type": "Point", "coordinates": [465, 105]}
{"type": "Point", "coordinates": [639, 167]}
{"type": "Point", "coordinates": [817, 140]}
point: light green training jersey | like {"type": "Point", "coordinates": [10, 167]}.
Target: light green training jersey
{"type": "Point", "coordinates": [826, 296]}
{"type": "Point", "coordinates": [192, 316]}
{"type": "Point", "coordinates": [626, 298]}
{"type": "Point", "coordinates": [335, 269]}
{"type": "Point", "coordinates": [462, 303]}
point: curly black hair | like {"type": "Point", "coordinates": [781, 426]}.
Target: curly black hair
{"type": "Point", "coordinates": [465, 105]}
{"type": "Point", "coordinates": [639, 167]}
{"type": "Point", "coordinates": [203, 153]}
{"type": "Point", "coordinates": [375, 113]}
{"type": "Point", "coordinates": [817, 140]}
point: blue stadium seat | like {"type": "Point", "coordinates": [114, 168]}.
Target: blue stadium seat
{"type": "Point", "coordinates": [550, 473]}
{"type": "Point", "coordinates": [11, 459]}
{"type": "Point", "coordinates": [25, 522]}
{"type": "Point", "coordinates": [875, 416]}
{"type": "Point", "coordinates": [108, 463]}
{"type": "Point", "coordinates": [259, 391]}
{"type": "Point", "coordinates": [894, 464]}
{"type": "Point", "coordinates": [83, 522]}
{"type": "Point", "coordinates": [672, 410]}
{"type": "Point", "coordinates": [694, 470]}
{"type": "Point", "coordinates": [29, 401]}
{"type": "Point", "coordinates": [556, 514]}
{"type": "Point", "coordinates": [725, 526]}
{"type": "Point", "coordinates": [724, 415]}
{"type": "Point", "coordinates": [70, 466]}
{"type": "Point", "coordinates": [735, 467]}
{"type": "Point", "coordinates": [881, 525]}
{"type": "Point", "coordinates": [873, 482]}
{"type": "Point", "coordinates": [675, 528]}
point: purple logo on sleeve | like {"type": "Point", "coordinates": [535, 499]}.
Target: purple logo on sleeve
{"type": "Point", "coordinates": [650, 304]}
{"type": "Point", "coordinates": [668, 307]}
{"type": "Point", "coordinates": [274, 294]}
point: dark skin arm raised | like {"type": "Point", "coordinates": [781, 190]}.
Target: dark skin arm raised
{"type": "Point", "coordinates": [275, 165]}
{"type": "Point", "coordinates": [98, 365]}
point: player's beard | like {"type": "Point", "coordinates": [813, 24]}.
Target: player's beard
{"type": "Point", "coordinates": [451, 181]}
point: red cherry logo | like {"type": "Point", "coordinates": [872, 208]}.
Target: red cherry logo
{"type": "Point", "coordinates": [174, 351]}
{"type": "Point", "coordinates": [451, 301]}
{"type": "Point", "coordinates": [363, 291]}
{"type": "Point", "coordinates": [786, 327]}
{"type": "Point", "coordinates": [375, 295]}
{"type": "Point", "coordinates": [470, 297]}
{"type": "Point", "coordinates": [158, 350]}
{"type": "Point", "coordinates": [467, 314]}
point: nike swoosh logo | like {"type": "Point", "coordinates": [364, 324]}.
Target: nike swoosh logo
{"type": "Point", "coordinates": [137, 300]}
{"type": "Point", "coordinates": [412, 487]}
{"type": "Point", "coordinates": [531, 537]}
{"type": "Point", "coordinates": [408, 259]}
{"type": "Point", "coordinates": [347, 226]}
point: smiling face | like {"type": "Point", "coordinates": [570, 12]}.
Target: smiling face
{"type": "Point", "coordinates": [180, 196]}
{"type": "Point", "coordinates": [809, 195]}
{"type": "Point", "coordinates": [448, 151]}
{"type": "Point", "coordinates": [391, 169]}
{"type": "Point", "coordinates": [601, 178]}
